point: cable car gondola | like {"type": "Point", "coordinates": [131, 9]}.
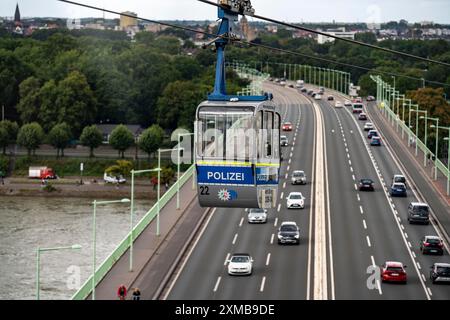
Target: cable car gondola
{"type": "Point", "coordinates": [237, 142]}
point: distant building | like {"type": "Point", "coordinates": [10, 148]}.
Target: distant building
{"type": "Point", "coordinates": [128, 19]}
{"type": "Point", "coordinates": [17, 20]}
{"type": "Point", "coordinates": [96, 26]}
{"type": "Point", "coordinates": [154, 27]}
{"type": "Point", "coordinates": [272, 28]}
{"type": "Point", "coordinates": [107, 129]}
{"type": "Point", "coordinates": [339, 32]}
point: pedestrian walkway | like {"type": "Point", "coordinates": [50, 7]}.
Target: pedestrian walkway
{"type": "Point", "coordinates": [147, 247]}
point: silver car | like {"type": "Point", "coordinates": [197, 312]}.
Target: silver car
{"type": "Point", "coordinates": [298, 177]}
{"type": "Point", "coordinates": [257, 216]}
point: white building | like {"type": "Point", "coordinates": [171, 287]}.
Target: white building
{"type": "Point", "coordinates": [339, 32]}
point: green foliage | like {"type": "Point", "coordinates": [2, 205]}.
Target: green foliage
{"type": "Point", "coordinates": [60, 137]}
{"type": "Point", "coordinates": [49, 188]}
{"type": "Point", "coordinates": [151, 139]}
{"type": "Point", "coordinates": [122, 167]}
{"type": "Point", "coordinates": [30, 136]}
{"type": "Point", "coordinates": [4, 165]}
{"type": "Point", "coordinates": [91, 137]}
{"type": "Point", "coordinates": [4, 139]}
{"type": "Point", "coordinates": [8, 133]}
{"type": "Point", "coordinates": [121, 139]}
{"type": "Point", "coordinates": [29, 104]}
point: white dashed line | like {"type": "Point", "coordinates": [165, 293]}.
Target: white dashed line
{"type": "Point", "coordinates": [288, 167]}
{"type": "Point", "coordinates": [217, 284]}
{"type": "Point", "coordinates": [409, 244]}
{"type": "Point", "coordinates": [268, 259]}
{"type": "Point", "coordinates": [284, 185]}
{"type": "Point", "coordinates": [291, 155]}
{"type": "Point", "coordinates": [423, 277]}
{"type": "Point", "coordinates": [373, 261]}
{"type": "Point", "coordinates": [241, 222]}
{"type": "Point", "coordinates": [282, 194]}
{"type": "Point", "coordinates": [226, 259]}
{"type": "Point", "coordinates": [357, 196]}
{"type": "Point", "coordinates": [289, 162]}
{"type": "Point", "coordinates": [414, 254]}
{"type": "Point", "coordinates": [235, 238]}
{"type": "Point", "coordinates": [403, 228]}
{"type": "Point", "coordinates": [429, 291]}
{"type": "Point", "coordinates": [350, 162]}
{"type": "Point", "coordinates": [356, 187]}
{"type": "Point", "coordinates": [368, 241]}
{"type": "Point", "coordinates": [353, 177]}
{"type": "Point", "coordinates": [271, 238]}
{"type": "Point", "coordinates": [275, 222]}
{"type": "Point", "coordinates": [364, 223]}
{"type": "Point", "coordinates": [406, 235]}
{"type": "Point", "coordinates": [262, 284]}
{"type": "Point", "coordinates": [351, 169]}
{"type": "Point", "coordinates": [418, 265]}
{"type": "Point", "coordinates": [279, 207]}
{"type": "Point", "coordinates": [286, 176]}
{"type": "Point", "coordinates": [361, 209]}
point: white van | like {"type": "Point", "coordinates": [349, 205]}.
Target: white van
{"type": "Point", "coordinates": [116, 179]}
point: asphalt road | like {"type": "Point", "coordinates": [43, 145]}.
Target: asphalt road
{"type": "Point", "coordinates": [345, 233]}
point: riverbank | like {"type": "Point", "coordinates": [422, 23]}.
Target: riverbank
{"type": "Point", "coordinates": [70, 188]}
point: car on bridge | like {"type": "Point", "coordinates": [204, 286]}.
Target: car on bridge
{"type": "Point", "coordinates": [288, 233]}
{"type": "Point", "coordinates": [362, 116]}
{"type": "Point", "coordinates": [257, 215]}
{"type": "Point", "coordinates": [392, 271]}
{"type": "Point", "coordinates": [318, 96]}
{"type": "Point", "coordinates": [284, 141]}
{"type": "Point", "coordinates": [368, 126]}
{"type": "Point", "coordinates": [375, 141]}
{"type": "Point", "coordinates": [304, 90]}
{"type": "Point", "coordinates": [370, 98]}
{"type": "Point", "coordinates": [418, 212]}
{"type": "Point", "coordinates": [295, 200]}
{"type": "Point", "coordinates": [330, 98]}
{"type": "Point", "coordinates": [398, 189]}
{"type": "Point", "coordinates": [372, 133]}
{"type": "Point", "coordinates": [399, 178]}
{"type": "Point", "coordinates": [357, 107]}
{"type": "Point", "coordinates": [240, 264]}
{"type": "Point", "coordinates": [440, 272]}
{"type": "Point", "coordinates": [347, 103]}
{"type": "Point", "coordinates": [287, 126]}
{"type": "Point", "coordinates": [432, 244]}
{"type": "Point", "coordinates": [298, 177]}
{"type": "Point", "coordinates": [310, 92]}
{"type": "Point", "coordinates": [366, 184]}
{"type": "Point", "coordinates": [338, 104]}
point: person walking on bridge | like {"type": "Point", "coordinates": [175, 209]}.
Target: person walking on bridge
{"type": "Point", "coordinates": [136, 294]}
{"type": "Point", "coordinates": [122, 292]}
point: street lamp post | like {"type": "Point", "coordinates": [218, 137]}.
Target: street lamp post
{"type": "Point", "coordinates": [38, 262]}
{"type": "Point", "coordinates": [437, 143]}
{"type": "Point", "coordinates": [133, 173]}
{"type": "Point", "coordinates": [94, 240]}
{"type": "Point", "coordinates": [417, 123]}
{"type": "Point", "coordinates": [178, 166]}
{"type": "Point", "coordinates": [448, 154]}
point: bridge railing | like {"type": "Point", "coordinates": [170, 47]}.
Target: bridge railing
{"type": "Point", "coordinates": [123, 246]}
{"type": "Point", "coordinates": [403, 126]}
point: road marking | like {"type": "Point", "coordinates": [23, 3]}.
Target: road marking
{"type": "Point", "coordinates": [292, 149]}
{"type": "Point", "coordinates": [288, 167]}
{"type": "Point", "coordinates": [353, 177]}
{"type": "Point", "coordinates": [406, 235]}
{"type": "Point", "coordinates": [282, 194]}
{"type": "Point", "coordinates": [350, 162]}
{"type": "Point", "coordinates": [373, 261]}
{"type": "Point", "coordinates": [226, 259]}
{"type": "Point", "coordinates": [279, 207]}
{"type": "Point", "coordinates": [356, 187]}
{"type": "Point", "coordinates": [423, 277]}
{"type": "Point", "coordinates": [357, 196]}
{"type": "Point", "coordinates": [286, 176]}
{"type": "Point", "coordinates": [289, 162]}
{"type": "Point", "coordinates": [368, 241]}
{"type": "Point", "coordinates": [235, 238]}
{"type": "Point", "coordinates": [348, 155]}
{"type": "Point", "coordinates": [418, 265]}
{"type": "Point", "coordinates": [263, 282]}
{"type": "Point", "coordinates": [361, 209]}
{"type": "Point", "coordinates": [271, 238]}
{"type": "Point", "coordinates": [291, 155]}
{"type": "Point", "coordinates": [275, 222]}
{"type": "Point", "coordinates": [217, 284]}
{"type": "Point", "coordinates": [284, 185]}
{"type": "Point", "coordinates": [414, 254]}
{"type": "Point", "coordinates": [429, 291]}
{"type": "Point", "coordinates": [364, 223]}
{"type": "Point", "coordinates": [379, 287]}
{"type": "Point", "coordinates": [242, 221]}
{"type": "Point", "coordinates": [403, 228]}
{"type": "Point", "coordinates": [268, 259]}
{"type": "Point", "coordinates": [351, 169]}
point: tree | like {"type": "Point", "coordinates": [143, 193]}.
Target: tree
{"type": "Point", "coordinates": [28, 106]}
{"type": "Point", "coordinates": [4, 139]}
{"type": "Point", "coordinates": [60, 137]}
{"type": "Point", "coordinates": [48, 113]}
{"type": "Point", "coordinates": [151, 139]}
{"type": "Point", "coordinates": [122, 167]}
{"type": "Point", "coordinates": [11, 129]}
{"type": "Point", "coordinates": [121, 139]}
{"type": "Point", "coordinates": [30, 136]}
{"type": "Point", "coordinates": [91, 137]}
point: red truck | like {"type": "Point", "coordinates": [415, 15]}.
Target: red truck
{"type": "Point", "coordinates": [41, 173]}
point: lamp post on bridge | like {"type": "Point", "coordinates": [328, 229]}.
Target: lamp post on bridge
{"type": "Point", "coordinates": [448, 155]}
{"type": "Point", "coordinates": [417, 134]}
{"type": "Point", "coordinates": [437, 143]}
{"type": "Point", "coordinates": [94, 240]}
{"type": "Point", "coordinates": [133, 173]}
{"type": "Point", "coordinates": [38, 263]}
{"type": "Point", "coordinates": [178, 166]}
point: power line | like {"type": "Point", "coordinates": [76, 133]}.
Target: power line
{"type": "Point", "coordinates": [337, 38]}
{"type": "Point", "coordinates": [251, 43]}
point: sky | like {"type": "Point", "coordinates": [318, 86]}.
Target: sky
{"type": "Point", "coordinates": [377, 11]}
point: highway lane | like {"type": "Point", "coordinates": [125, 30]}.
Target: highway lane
{"type": "Point", "coordinates": [205, 275]}
{"type": "Point", "coordinates": [396, 241]}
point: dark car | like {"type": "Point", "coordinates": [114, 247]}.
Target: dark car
{"type": "Point", "coordinates": [432, 244]}
{"type": "Point", "coordinates": [366, 184]}
{"type": "Point", "coordinates": [310, 92]}
{"type": "Point", "coordinates": [398, 189]}
{"type": "Point", "coordinates": [330, 98]}
{"type": "Point", "coordinates": [313, 94]}
{"type": "Point", "coordinates": [290, 85]}
{"type": "Point", "coordinates": [375, 141]}
{"type": "Point", "coordinates": [440, 272]}
{"type": "Point", "coordinates": [288, 233]}
{"type": "Point", "coordinates": [362, 116]}
{"type": "Point", "coordinates": [304, 90]}
{"type": "Point", "coordinates": [372, 133]}
{"type": "Point", "coordinates": [418, 212]}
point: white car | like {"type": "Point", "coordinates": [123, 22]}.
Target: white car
{"type": "Point", "coordinates": [368, 126]}
{"type": "Point", "coordinates": [240, 264]}
{"type": "Point", "coordinates": [318, 96]}
{"type": "Point", "coordinates": [347, 103]}
{"type": "Point", "coordinates": [257, 215]}
{"type": "Point", "coordinates": [284, 141]}
{"type": "Point", "coordinates": [338, 104]}
{"type": "Point", "coordinates": [116, 179]}
{"type": "Point", "coordinates": [295, 200]}
{"type": "Point", "coordinates": [298, 177]}
{"type": "Point", "coordinates": [283, 83]}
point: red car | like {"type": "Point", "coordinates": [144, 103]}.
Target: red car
{"type": "Point", "coordinates": [392, 271]}
{"type": "Point", "coordinates": [287, 126]}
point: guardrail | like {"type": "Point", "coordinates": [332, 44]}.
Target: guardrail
{"type": "Point", "coordinates": [123, 246]}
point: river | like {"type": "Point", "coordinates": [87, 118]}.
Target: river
{"type": "Point", "coordinates": [29, 223]}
